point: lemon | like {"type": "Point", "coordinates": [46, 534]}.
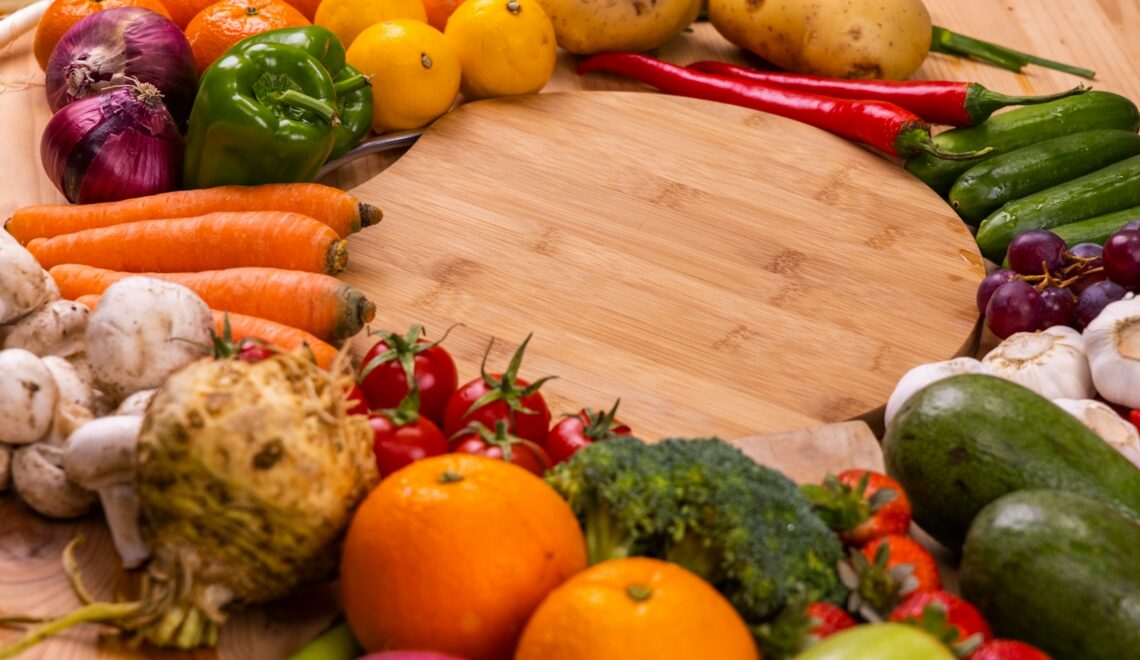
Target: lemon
{"type": "Point", "coordinates": [348, 18]}
{"type": "Point", "coordinates": [415, 73]}
{"type": "Point", "coordinates": [505, 46]}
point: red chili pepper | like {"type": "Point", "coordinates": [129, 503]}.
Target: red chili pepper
{"type": "Point", "coordinates": [1134, 417]}
{"type": "Point", "coordinates": [936, 101]}
{"type": "Point", "coordinates": [882, 125]}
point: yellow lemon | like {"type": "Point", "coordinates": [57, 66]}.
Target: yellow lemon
{"type": "Point", "coordinates": [505, 46]}
{"type": "Point", "coordinates": [348, 18]}
{"type": "Point", "coordinates": [415, 73]}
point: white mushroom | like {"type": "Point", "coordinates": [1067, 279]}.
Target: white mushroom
{"type": "Point", "coordinates": [101, 457]}
{"type": "Point", "coordinates": [5, 467]}
{"type": "Point", "coordinates": [56, 328]}
{"type": "Point", "coordinates": [23, 285]}
{"type": "Point", "coordinates": [142, 330]}
{"type": "Point", "coordinates": [68, 418]}
{"type": "Point", "coordinates": [136, 403]}
{"type": "Point", "coordinates": [28, 397]}
{"type": "Point", "coordinates": [72, 386]}
{"type": "Point", "coordinates": [40, 481]}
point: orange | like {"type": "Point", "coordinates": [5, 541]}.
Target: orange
{"type": "Point", "coordinates": [438, 12]}
{"type": "Point", "coordinates": [225, 23]}
{"type": "Point", "coordinates": [635, 609]}
{"type": "Point", "coordinates": [348, 18]}
{"type": "Point", "coordinates": [307, 7]}
{"type": "Point", "coordinates": [62, 14]}
{"type": "Point", "coordinates": [452, 554]}
{"type": "Point", "coordinates": [181, 11]}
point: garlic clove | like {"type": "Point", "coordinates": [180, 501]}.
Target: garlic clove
{"type": "Point", "coordinates": [927, 374]}
{"type": "Point", "coordinates": [1112, 343]}
{"type": "Point", "coordinates": [1118, 432]}
{"type": "Point", "coordinates": [1050, 362]}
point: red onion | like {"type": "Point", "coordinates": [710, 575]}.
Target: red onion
{"type": "Point", "coordinates": [110, 46]}
{"type": "Point", "coordinates": [117, 145]}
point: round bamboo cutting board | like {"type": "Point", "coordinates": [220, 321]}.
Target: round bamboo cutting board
{"type": "Point", "coordinates": [721, 270]}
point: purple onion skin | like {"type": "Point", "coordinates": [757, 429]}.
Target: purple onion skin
{"type": "Point", "coordinates": [114, 146]}
{"type": "Point", "coordinates": [110, 46]}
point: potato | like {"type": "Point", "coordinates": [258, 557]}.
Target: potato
{"type": "Point", "coordinates": [886, 39]}
{"type": "Point", "coordinates": [593, 26]}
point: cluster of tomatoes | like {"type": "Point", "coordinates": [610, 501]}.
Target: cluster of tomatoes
{"type": "Point", "coordinates": [497, 415]}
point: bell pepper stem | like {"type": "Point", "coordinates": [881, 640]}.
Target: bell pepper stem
{"type": "Point", "coordinates": [350, 85]}
{"type": "Point", "coordinates": [294, 98]}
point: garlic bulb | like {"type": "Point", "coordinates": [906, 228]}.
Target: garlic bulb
{"type": "Point", "coordinates": [1112, 343]}
{"type": "Point", "coordinates": [1050, 362]}
{"type": "Point", "coordinates": [1102, 420]}
{"type": "Point", "coordinates": [927, 374]}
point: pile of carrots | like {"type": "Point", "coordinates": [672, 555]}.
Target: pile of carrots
{"type": "Point", "coordinates": [263, 256]}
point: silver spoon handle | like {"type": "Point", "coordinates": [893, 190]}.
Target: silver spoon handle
{"type": "Point", "coordinates": [375, 145]}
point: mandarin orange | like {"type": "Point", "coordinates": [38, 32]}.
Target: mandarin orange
{"type": "Point", "coordinates": [62, 14]}
{"type": "Point", "coordinates": [635, 609]}
{"type": "Point", "coordinates": [453, 554]}
{"type": "Point", "coordinates": [223, 24]}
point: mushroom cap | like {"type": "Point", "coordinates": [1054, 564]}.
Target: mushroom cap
{"type": "Point", "coordinates": [41, 483]}
{"type": "Point", "coordinates": [102, 451]}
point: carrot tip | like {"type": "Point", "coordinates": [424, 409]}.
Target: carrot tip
{"type": "Point", "coordinates": [337, 258]}
{"type": "Point", "coordinates": [370, 215]}
{"type": "Point", "coordinates": [366, 310]}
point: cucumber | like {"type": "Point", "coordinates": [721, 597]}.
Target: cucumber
{"type": "Point", "coordinates": [961, 443]}
{"type": "Point", "coordinates": [985, 187]}
{"type": "Point", "coordinates": [1110, 189]}
{"type": "Point", "coordinates": [1058, 570]}
{"type": "Point", "coordinates": [1098, 229]}
{"type": "Point", "coordinates": [1022, 127]}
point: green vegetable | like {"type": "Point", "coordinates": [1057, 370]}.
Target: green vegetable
{"type": "Point", "coordinates": [353, 91]}
{"type": "Point", "coordinates": [985, 187]}
{"type": "Point", "coordinates": [961, 443]}
{"type": "Point", "coordinates": [263, 114]}
{"type": "Point", "coordinates": [1023, 127]}
{"type": "Point", "coordinates": [703, 504]}
{"type": "Point", "coordinates": [1098, 229]}
{"type": "Point", "coordinates": [1058, 570]}
{"type": "Point", "coordinates": [1110, 189]}
{"type": "Point", "coordinates": [879, 641]}
{"type": "Point", "coordinates": [336, 643]}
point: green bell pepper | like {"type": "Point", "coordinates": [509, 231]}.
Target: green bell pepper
{"type": "Point", "coordinates": [353, 91]}
{"type": "Point", "coordinates": [264, 114]}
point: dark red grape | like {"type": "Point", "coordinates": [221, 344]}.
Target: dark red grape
{"type": "Point", "coordinates": [1015, 307]}
{"type": "Point", "coordinates": [1122, 258]}
{"type": "Point", "coordinates": [990, 283]}
{"type": "Point", "coordinates": [1028, 251]}
{"type": "Point", "coordinates": [1059, 305]}
{"type": "Point", "coordinates": [1078, 287]}
{"type": "Point", "coordinates": [1133, 225]}
{"type": "Point", "coordinates": [1088, 251]}
{"type": "Point", "coordinates": [1095, 298]}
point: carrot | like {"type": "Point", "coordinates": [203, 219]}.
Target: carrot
{"type": "Point", "coordinates": [249, 327]}
{"type": "Point", "coordinates": [336, 208]}
{"type": "Point", "coordinates": [319, 304]}
{"type": "Point", "coordinates": [207, 242]}
{"type": "Point", "coordinates": [275, 334]}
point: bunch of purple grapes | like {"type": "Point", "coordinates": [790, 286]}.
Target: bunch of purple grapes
{"type": "Point", "coordinates": [1048, 283]}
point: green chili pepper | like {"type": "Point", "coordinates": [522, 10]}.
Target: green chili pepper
{"type": "Point", "coordinates": [353, 91]}
{"type": "Point", "coordinates": [264, 114]}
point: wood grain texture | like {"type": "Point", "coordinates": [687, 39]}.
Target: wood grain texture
{"type": "Point", "coordinates": [722, 271]}
{"type": "Point", "coordinates": [1095, 33]}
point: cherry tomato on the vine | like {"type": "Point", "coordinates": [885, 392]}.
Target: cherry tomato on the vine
{"type": "Point", "coordinates": [383, 372]}
{"type": "Point", "coordinates": [494, 397]}
{"type": "Point", "coordinates": [575, 432]}
{"type": "Point", "coordinates": [252, 350]}
{"type": "Point", "coordinates": [500, 444]}
{"type": "Point", "coordinates": [399, 441]}
{"type": "Point", "coordinates": [356, 403]}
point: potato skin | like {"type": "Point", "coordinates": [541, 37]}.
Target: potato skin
{"type": "Point", "coordinates": [886, 39]}
{"type": "Point", "coordinates": [593, 26]}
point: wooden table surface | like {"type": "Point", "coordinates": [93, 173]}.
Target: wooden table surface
{"type": "Point", "coordinates": [1099, 34]}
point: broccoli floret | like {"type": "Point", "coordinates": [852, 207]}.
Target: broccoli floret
{"type": "Point", "coordinates": [703, 504]}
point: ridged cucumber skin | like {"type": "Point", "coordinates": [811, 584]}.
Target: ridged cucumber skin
{"type": "Point", "coordinates": [1109, 189]}
{"type": "Point", "coordinates": [985, 187]}
{"type": "Point", "coordinates": [1058, 570]}
{"type": "Point", "coordinates": [1096, 230]}
{"type": "Point", "coordinates": [961, 443]}
{"type": "Point", "coordinates": [1022, 127]}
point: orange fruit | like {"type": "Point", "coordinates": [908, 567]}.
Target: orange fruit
{"type": "Point", "coordinates": [181, 11]}
{"type": "Point", "coordinates": [62, 14]}
{"type": "Point", "coordinates": [438, 11]}
{"type": "Point", "coordinates": [307, 7]}
{"type": "Point", "coordinates": [634, 609]}
{"type": "Point", "coordinates": [453, 554]}
{"type": "Point", "coordinates": [223, 24]}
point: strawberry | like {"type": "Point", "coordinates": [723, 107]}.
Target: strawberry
{"type": "Point", "coordinates": [1007, 649]}
{"type": "Point", "coordinates": [947, 617]}
{"type": "Point", "coordinates": [884, 571]}
{"type": "Point", "coordinates": [800, 625]}
{"type": "Point", "coordinates": [861, 505]}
